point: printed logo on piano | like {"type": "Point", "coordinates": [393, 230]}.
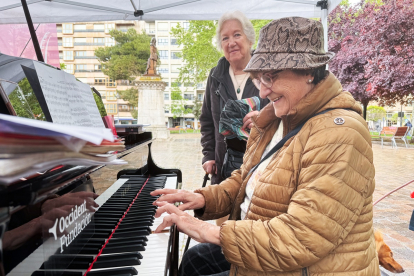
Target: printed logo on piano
{"type": "Point", "coordinates": [69, 227]}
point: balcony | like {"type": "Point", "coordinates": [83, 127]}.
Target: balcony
{"type": "Point", "coordinates": [88, 44]}
{"type": "Point", "coordinates": [124, 82]}
{"type": "Point", "coordinates": [85, 57]}
{"type": "Point", "coordinates": [89, 31]}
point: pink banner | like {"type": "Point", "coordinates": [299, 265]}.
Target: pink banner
{"type": "Point", "coordinates": [15, 41]}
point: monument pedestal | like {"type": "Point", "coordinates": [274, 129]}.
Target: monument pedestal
{"type": "Point", "coordinates": [151, 105]}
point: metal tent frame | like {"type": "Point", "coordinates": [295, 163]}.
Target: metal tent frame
{"type": "Point", "coordinates": [60, 11]}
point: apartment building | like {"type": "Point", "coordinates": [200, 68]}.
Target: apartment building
{"type": "Point", "coordinates": [169, 70]}
{"type": "Point", "coordinates": [77, 44]}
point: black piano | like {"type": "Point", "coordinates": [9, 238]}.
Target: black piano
{"type": "Point", "coordinates": [51, 224]}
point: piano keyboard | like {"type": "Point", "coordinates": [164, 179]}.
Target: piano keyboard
{"type": "Point", "coordinates": [131, 249]}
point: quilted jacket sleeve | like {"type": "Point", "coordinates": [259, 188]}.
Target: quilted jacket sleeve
{"type": "Point", "coordinates": [335, 178]}
{"type": "Point", "coordinates": [208, 140]}
{"type": "Point", "coordinates": [219, 198]}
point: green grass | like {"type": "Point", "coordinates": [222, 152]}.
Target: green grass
{"type": "Point", "coordinates": [184, 131]}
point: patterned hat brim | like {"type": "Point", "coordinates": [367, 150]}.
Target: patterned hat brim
{"type": "Point", "coordinates": [281, 61]}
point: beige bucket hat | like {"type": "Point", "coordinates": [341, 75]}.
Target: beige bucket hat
{"type": "Point", "coordinates": [289, 43]}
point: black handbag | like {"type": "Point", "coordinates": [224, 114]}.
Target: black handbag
{"type": "Point", "coordinates": [233, 160]}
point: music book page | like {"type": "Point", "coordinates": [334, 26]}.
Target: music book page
{"type": "Point", "coordinates": [55, 89]}
{"type": "Point", "coordinates": [69, 102]}
{"type": "Point", "coordinates": [86, 96]}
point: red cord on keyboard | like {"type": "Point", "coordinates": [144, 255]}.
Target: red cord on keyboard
{"type": "Point", "coordinates": [116, 227]}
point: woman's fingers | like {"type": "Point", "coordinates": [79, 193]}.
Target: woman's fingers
{"type": "Point", "coordinates": [164, 192]}
{"type": "Point", "coordinates": [247, 123]}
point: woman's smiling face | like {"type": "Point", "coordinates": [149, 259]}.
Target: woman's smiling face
{"type": "Point", "coordinates": [287, 90]}
{"type": "Point", "coordinates": [234, 42]}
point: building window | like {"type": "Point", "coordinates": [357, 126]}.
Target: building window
{"type": "Point", "coordinates": [174, 41]}
{"type": "Point", "coordinates": [200, 97]}
{"type": "Point", "coordinates": [97, 67]}
{"type": "Point", "coordinates": [188, 84]}
{"type": "Point", "coordinates": [150, 28]}
{"type": "Point", "coordinates": [163, 41]}
{"type": "Point", "coordinates": [67, 42]}
{"type": "Point", "coordinates": [98, 27]}
{"type": "Point", "coordinates": [189, 97]}
{"type": "Point", "coordinates": [166, 96]}
{"type": "Point", "coordinates": [109, 41]}
{"type": "Point", "coordinates": [111, 108]}
{"type": "Point", "coordinates": [175, 68]}
{"type": "Point", "coordinates": [109, 27]}
{"type": "Point", "coordinates": [99, 41]}
{"type": "Point", "coordinates": [81, 68]}
{"type": "Point", "coordinates": [123, 107]}
{"type": "Point", "coordinates": [67, 55]}
{"type": "Point", "coordinates": [163, 54]}
{"type": "Point", "coordinates": [69, 68]}
{"type": "Point", "coordinates": [99, 81]}
{"type": "Point", "coordinates": [175, 55]}
{"type": "Point", "coordinates": [60, 55]}
{"type": "Point", "coordinates": [175, 83]}
{"type": "Point", "coordinates": [79, 27]}
{"type": "Point", "coordinates": [110, 83]}
{"type": "Point", "coordinates": [163, 69]}
{"type": "Point", "coordinates": [67, 28]}
{"type": "Point", "coordinates": [80, 54]}
{"type": "Point", "coordinates": [111, 95]}
{"type": "Point", "coordinates": [186, 25]}
{"type": "Point", "coordinates": [163, 27]}
{"type": "Point", "coordinates": [79, 41]}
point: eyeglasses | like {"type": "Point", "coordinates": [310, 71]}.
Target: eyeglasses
{"type": "Point", "coordinates": [266, 79]}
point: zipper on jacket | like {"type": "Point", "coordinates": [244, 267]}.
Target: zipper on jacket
{"type": "Point", "coordinates": [305, 271]}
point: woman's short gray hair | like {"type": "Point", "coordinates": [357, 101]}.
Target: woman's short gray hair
{"type": "Point", "coordinates": [247, 26]}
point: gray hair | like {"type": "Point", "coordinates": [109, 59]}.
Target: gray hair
{"type": "Point", "coordinates": [247, 26]}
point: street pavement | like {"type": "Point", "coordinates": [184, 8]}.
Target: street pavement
{"type": "Point", "coordinates": [394, 167]}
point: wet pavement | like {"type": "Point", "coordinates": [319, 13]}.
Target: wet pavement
{"type": "Point", "coordinates": [394, 167]}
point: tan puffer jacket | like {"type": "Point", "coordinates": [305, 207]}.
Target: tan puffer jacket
{"type": "Point", "coordinates": [311, 212]}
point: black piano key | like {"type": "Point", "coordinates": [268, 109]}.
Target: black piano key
{"type": "Point", "coordinates": [123, 259]}
{"type": "Point", "coordinates": [123, 248]}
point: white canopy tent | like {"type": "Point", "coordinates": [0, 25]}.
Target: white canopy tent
{"type": "Point", "coordinates": [53, 11]}
{"type": "Point", "coordinates": [60, 11]}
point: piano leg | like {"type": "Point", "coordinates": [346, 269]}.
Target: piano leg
{"type": "Point", "coordinates": [4, 219]}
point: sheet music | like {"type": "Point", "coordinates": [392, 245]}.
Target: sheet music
{"type": "Point", "coordinates": [89, 101]}
{"type": "Point", "coordinates": [80, 114]}
{"type": "Point", "coordinates": [70, 102]}
{"type": "Point", "coordinates": [55, 90]}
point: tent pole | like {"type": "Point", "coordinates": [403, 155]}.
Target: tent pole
{"type": "Point", "coordinates": [32, 31]}
{"type": "Point", "coordinates": [324, 19]}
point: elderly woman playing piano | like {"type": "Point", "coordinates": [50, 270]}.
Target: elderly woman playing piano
{"type": "Point", "coordinates": [301, 204]}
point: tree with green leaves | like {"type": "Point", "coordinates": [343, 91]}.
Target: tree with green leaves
{"type": "Point", "coordinates": [375, 113]}
{"type": "Point", "coordinates": [130, 95]}
{"type": "Point", "coordinates": [99, 104]}
{"type": "Point", "coordinates": [127, 58]}
{"type": "Point", "coordinates": [199, 53]}
{"type": "Point", "coordinates": [197, 109]}
{"type": "Point", "coordinates": [178, 108]}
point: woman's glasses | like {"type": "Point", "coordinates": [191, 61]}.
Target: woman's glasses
{"type": "Point", "coordinates": [266, 79]}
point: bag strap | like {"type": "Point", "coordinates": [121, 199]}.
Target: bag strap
{"type": "Point", "coordinates": [287, 137]}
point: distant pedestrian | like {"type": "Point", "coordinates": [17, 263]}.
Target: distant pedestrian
{"type": "Point", "coordinates": [408, 123]}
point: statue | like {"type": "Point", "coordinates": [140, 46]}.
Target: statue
{"type": "Point", "coordinates": [152, 60]}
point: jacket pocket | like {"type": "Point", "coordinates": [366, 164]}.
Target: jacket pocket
{"type": "Point", "coordinates": [305, 271]}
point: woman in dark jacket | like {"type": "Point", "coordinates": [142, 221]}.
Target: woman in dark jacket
{"type": "Point", "coordinates": [227, 81]}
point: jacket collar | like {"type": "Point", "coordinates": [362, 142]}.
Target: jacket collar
{"type": "Point", "coordinates": [326, 94]}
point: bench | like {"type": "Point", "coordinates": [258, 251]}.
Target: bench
{"type": "Point", "coordinates": [393, 133]}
